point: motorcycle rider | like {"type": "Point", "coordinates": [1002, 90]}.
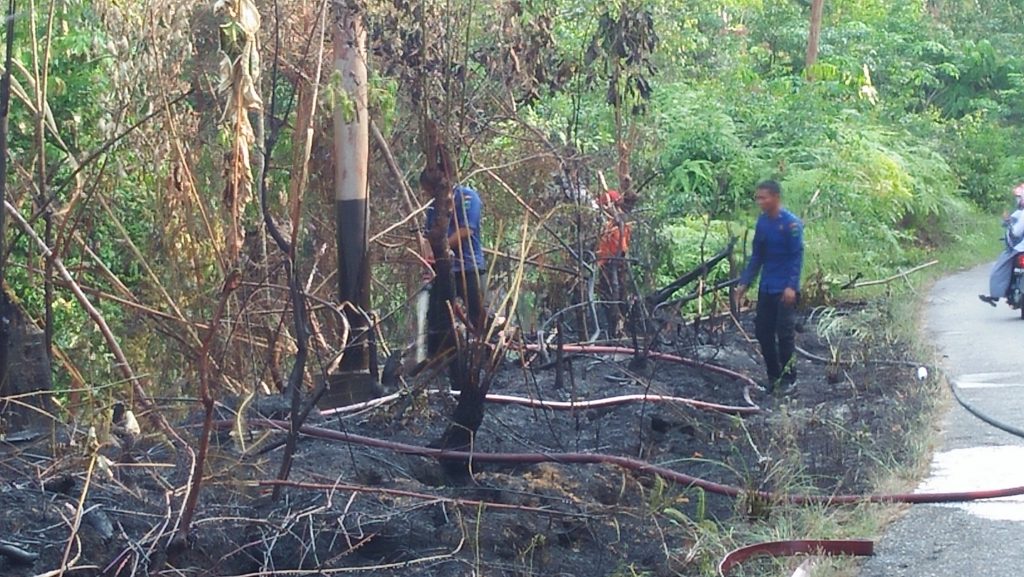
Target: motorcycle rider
{"type": "Point", "coordinates": [1002, 270]}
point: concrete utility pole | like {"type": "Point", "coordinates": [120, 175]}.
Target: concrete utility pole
{"type": "Point", "coordinates": [351, 158]}
{"type": "Point", "coordinates": [814, 38]}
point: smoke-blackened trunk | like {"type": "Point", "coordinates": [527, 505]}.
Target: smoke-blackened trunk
{"type": "Point", "coordinates": [351, 158]}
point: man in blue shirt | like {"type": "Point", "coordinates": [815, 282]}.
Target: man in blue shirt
{"type": "Point", "coordinates": [777, 255]}
{"type": "Point", "coordinates": [469, 270]}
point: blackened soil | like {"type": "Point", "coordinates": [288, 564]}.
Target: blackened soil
{"type": "Point", "coordinates": [825, 437]}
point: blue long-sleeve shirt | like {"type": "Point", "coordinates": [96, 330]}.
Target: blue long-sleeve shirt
{"type": "Point", "coordinates": [777, 255]}
{"type": "Point", "coordinates": [467, 212]}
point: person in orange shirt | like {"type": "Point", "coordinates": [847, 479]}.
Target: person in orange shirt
{"type": "Point", "coordinates": [612, 248]}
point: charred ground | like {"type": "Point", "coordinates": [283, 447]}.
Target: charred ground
{"type": "Point", "coordinates": [374, 512]}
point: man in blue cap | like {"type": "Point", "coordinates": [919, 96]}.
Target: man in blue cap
{"type": "Point", "coordinates": [777, 255]}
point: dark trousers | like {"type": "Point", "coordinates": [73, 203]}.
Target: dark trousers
{"type": "Point", "coordinates": [776, 331]}
{"type": "Point", "coordinates": [611, 289]}
{"type": "Point", "coordinates": [470, 286]}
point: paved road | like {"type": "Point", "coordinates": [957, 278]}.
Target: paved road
{"type": "Point", "coordinates": [983, 350]}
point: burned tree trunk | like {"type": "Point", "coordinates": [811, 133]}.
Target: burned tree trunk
{"type": "Point", "coordinates": [436, 181]}
{"type": "Point", "coordinates": [466, 360]}
{"type": "Point", "coordinates": [25, 392]}
{"type": "Point", "coordinates": [467, 376]}
{"type": "Point", "coordinates": [351, 154]}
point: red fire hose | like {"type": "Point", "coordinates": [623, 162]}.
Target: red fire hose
{"type": "Point", "coordinates": [561, 405]}
{"type": "Point", "coordinates": [621, 400]}
{"type": "Point", "coordinates": [610, 350]}
{"type": "Point", "coordinates": [749, 383]}
{"type": "Point", "coordinates": [634, 465]}
{"type": "Point", "coordinates": [791, 548]}
{"type": "Point", "coordinates": [639, 466]}
{"type": "Point", "coordinates": [750, 409]}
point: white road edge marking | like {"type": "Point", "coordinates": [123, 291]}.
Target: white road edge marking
{"type": "Point", "coordinates": [977, 468]}
{"type": "Point", "coordinates": [970, 385]}
{"type": "Point", "coordinates": [986, 377]}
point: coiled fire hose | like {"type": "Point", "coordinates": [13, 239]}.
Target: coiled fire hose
{"type": "Point", "coordinates": [636, 465]}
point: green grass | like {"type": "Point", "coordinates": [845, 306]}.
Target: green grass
{"type": "Point", "coordinates": [978, 241]}
{"type": "Point", "coordinates": [905, 310]}
{"type": "Point", "coordinates": [894, 320]}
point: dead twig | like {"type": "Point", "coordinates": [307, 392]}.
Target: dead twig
{"type": "Point", "coordinates": [205, 392]}
{"type": "Point", "coordinates": [416, 495]}
{"type": "Point", "coordinates": [895, 277]}
{"type": "Point", "coordinates": [298, 300]}
{"type": "Point", "coordinates": [701, 293]}
{"type": "Point", "coordinates": [699, 272]}
{"type": "Point", "coordinates": [389, 159]}
{"type": "Point", "coordinates": [16, 555]}
{"type": "Point", "coordinates": [65, 564]}
{"type": "Point", "coordinates": [403, 565]}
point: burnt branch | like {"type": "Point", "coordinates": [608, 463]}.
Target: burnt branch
{"type": "Point", "coordinates": [659, 297]}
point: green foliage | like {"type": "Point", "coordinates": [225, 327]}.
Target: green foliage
{"type": "Point", "coordinates": [986, 157]}
{"type": "Point", "coordinates": [685, 243]}
{"type": "Point", "coordinates": [337, 97]}
{"type": "Point", "coordinates": [383, 96]}
{"type": "Point", "coordinates": [707, 166]}
{"type": "Point", "coordinates": [912, 122]}
{"type": "Point", "coordinates": [909, 124]}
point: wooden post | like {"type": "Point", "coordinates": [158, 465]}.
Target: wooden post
{"type": "Point", "coordinates": [814, 37]}
{"type": "Point", "coordinates": [351, 159]}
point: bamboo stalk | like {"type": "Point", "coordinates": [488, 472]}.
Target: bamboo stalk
{"type": "Point", "coordinates": [5, 107]}
{"type": "Point", "coordinates": [902, 274]}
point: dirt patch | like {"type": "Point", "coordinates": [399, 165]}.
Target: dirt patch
{"type": "Point", "coordinates": [825, 437]}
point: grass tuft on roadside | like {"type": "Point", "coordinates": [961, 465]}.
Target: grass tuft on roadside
{"type": "Point", "coordinates": [885, 321]}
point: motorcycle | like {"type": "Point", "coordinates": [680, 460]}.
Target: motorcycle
{"type": "Point", "coordinates": [1015, 294]}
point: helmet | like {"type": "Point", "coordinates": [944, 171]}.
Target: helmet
{"type": "Point", "coordinates": [613, 198]}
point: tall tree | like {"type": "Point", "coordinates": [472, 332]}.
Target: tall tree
{"type": "Point", "coordinates": [351, 154]}
{"type": "Point", "coordinates": [814, 37]}
{"type": "Point", "coordinates": [5, 108]}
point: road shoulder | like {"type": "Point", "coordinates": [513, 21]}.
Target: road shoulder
{"type": "Point", "coordinates": [979, 350]}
